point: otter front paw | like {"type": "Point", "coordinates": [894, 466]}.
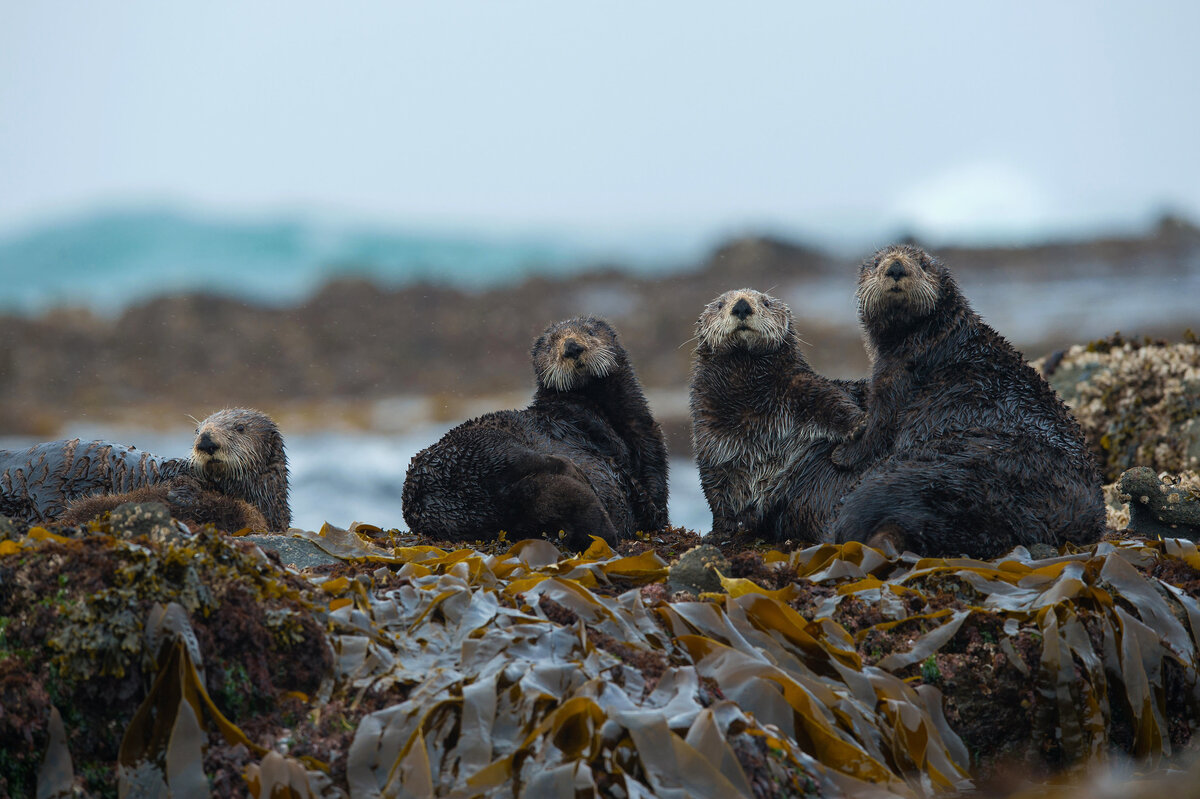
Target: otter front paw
{"type": "Point", "coordinates": [854, 422]}
{"type": "Point", "coordinates": [851, 453]}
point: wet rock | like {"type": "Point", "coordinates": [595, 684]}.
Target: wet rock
{"type": "Point", "coordinates": [1138, 402]}
{"type": "Point", "coordinates": [1041, 551]}
{"type": "Point", "coordinates": [696, 570]}
{"type": "Point", "coordinates": [1167, 508]}
{"type": "Point", "coordinates": [150, 519]}
{"type": "Point", "coordinates": [7, 530]}
{"type": "Point", "coordinates": [298, 552]}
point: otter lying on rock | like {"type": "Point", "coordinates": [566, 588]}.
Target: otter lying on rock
{"type": "Point", "coordinates": [238, 454]}
{"type": "Point", "coordinates": [965, 448]}
{"type": "Point", "coordinates": [758, 409]}
{"type": "Point", "coordinates": [585, 458]}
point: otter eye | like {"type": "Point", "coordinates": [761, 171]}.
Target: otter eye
{"type": "Point", "coordinates": [720, 304]}
{"type": "Point", "coordinates": [241, 428]}
{"type": "Point", "coordinates": [766, 303]}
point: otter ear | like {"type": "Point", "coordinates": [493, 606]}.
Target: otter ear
{"type": "Point", "coordinates": [276, 440]}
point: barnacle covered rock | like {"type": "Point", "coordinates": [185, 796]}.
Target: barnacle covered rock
{"type": "Point", "coordinates": [1138, 402]}
{"type": "Point", "coordinates": [1162, 505]}
{"type": "Point", "coordinates": [698, 570]}
{"type": "Point", "coordinates": [74, 636]}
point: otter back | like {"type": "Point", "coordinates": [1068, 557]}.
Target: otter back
{"type": "Point", "coordinates": [37, 484]}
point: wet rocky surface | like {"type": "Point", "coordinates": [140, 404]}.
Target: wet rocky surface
{"type": "Point", "coordinates": [1162, 505]}
{"type": "Point", "coordinates": [459, 669]}
{"type": "Point", "coordinates": [1138, 401]}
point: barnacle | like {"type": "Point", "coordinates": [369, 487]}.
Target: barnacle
{"type": "Point", "coordinates": [1138, 402]}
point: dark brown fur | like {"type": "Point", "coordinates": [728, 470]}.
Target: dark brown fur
{"type": "Point", "coordinates": [757, 408]}
{"type": "Point", "coordinates": [585, 458]}
{"type": "Point", "coordinates": [966, 449]}
{"type": "Point", "coordinates": [238, 453]}
{"type": "Point", "coordinates": [186, 499]}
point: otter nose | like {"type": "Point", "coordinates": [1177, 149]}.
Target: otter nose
{"type": "Point", "coordinates": [572, 349]}
{"type": "Point", "coordinates": [207, 445]}
{"type": "Point", "coordinates": [896, 270]}
{"type": "Point", "coordinates": [742, 309]}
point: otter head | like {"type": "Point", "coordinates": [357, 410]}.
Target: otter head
{"type": "Point", "coordinates": [899, 284]}
{"type": "Point", "coordinates": [744, 319]}
{"type": "Point", "coordinates": [235, 443]}
{"type": "Point", "coordinates": [573, 353]}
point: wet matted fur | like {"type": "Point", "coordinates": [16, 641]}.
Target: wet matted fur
{"type": "Point", "coordinates": [238, 452]}
{"type": "Point", "coordinates": [185, 498]}
{"type": "Point", "coordinates": [757, 409]}
{"type": "Point", "coordinates": [586, 457]}
{"type": "Point", "coordinates": [966, 449]}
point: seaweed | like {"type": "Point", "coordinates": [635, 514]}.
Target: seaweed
{"type": "Point", "coordinates": [509, 669]}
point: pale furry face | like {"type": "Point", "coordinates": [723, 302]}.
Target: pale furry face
{"type": "Point", "coordinates": [898, 281]}
{"type": "Point", "coordinates": [574, 352]}
{"type": "Point", "coordinates": [234, 442]}
{"type": "Point", "coordinates": [744, 318]}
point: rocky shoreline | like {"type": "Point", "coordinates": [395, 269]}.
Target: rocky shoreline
{"type": "Point", "coordinates": [137, 655]}
{"type": "Point", "coordinates": [353, 662]}
{"type": "Point", "coordinates": [371, 356]}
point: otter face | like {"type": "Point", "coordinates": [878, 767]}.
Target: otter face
{"type": "Point", "coordinates": [898, 282]}
{"type": "Point", "coordinates": [744, 318]}
{"type": "Point", "coordinates": [235, 442]}
{"type": "Point", "coordinates": [572, 353]}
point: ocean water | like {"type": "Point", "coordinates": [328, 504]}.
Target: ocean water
{"type": "Point", "coordinates": [109, 260]}
{"type": "Point", "coordinates": [106, 261]}
{"type": "Point", "coordinates": [342, 478]}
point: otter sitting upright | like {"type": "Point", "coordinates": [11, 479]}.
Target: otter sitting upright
{"type": "Point", "coordinates": [585, 458]}
{"type": "Point", "coordinates": [966, 449]}
{"type": "Point", "coordinates": [757, 409]}
{"type": "Point", "coordinates": [238, 453]}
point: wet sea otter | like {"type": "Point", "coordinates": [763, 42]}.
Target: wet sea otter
{"type": "Point", "coordinates": [585, 458]}
{"type": "Point", "coordinates": [966, 449]}
{"type": "Point", "coordinates": [237, 453]}
{"type": "Point", "coordinates": [757, 410]}
{"type": "Point", "coordinates": [186, 499]}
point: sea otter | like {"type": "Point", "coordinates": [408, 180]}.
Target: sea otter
{"type": "Point", "coordinates": [584, 458]}
{"type": "Point", "coordinates": [966, 449]}
{"type": "Point", "coordinates": [757, 409]}
{"type": "Point", "coordinates": [237, 452]}
{"type": "Point", "coordinates": [185, 497]}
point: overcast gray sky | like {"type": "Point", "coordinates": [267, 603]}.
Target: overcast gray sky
{"type": "Point", "coordinates": [953, 117]}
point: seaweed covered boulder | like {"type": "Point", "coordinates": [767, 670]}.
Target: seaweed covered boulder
{"type": "Point", "coordinates": [1138, 402]}
{"type": "Point", "coordinates": [81, 629]}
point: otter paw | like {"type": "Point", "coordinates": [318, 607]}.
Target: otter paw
{"type": "Point", "coordinates": [857, 427]}
{"type": "Point", "coordinates": [849, 454]}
